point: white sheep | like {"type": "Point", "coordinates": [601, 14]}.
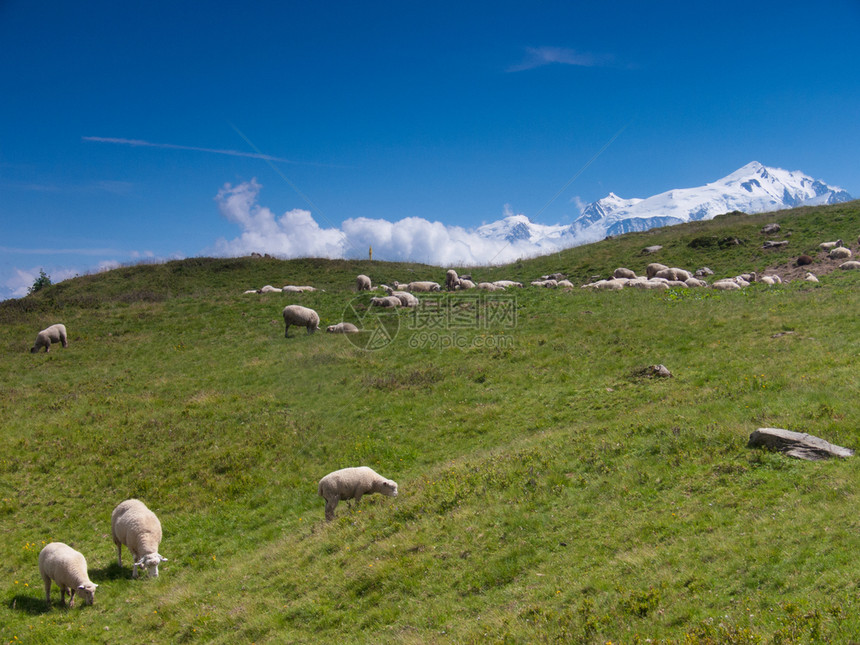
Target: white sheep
{"type": "Point", "coordinates": [134, 525]}
{"type": "Point", "coordinates": [508, 283]}
{"type": "Point", "coordinates": [827, 246]}
{"type": "Point", "coordinates": [726, 284]}
{"type": "Point", "coordinates": [622, 272]}
{"type": "Point", "coordinates": [840, 253]}
{"type": "Point", "coordinates": [452, 281]}
{"type": "Point", "coordinates": [672, 274]}
{"type": "Point", "coordinates": [385, 301]}
{"type": "Point", "coordinates": [60, 563]}
{"type": "Point", "coordinates": [465, 283]}
{"type": "Point", "coordinates": [301, 317]}
{"type": "Point", "coordinates": [362, 283]}
{"type": "Point", "coordinates": [250, 291]}
{"type": "Point", "coordinates": [695, 282]}
{"type": "Point", "coordinates": [342, 328]}
{"type": "Point", "coordinates": [489, 286]}
{"type": "Point", "coordinates": [352, 483]}
{"type": "Point", "coordinates": [548, 283]}
{"type": "Point", "coordinates": [423, 285]}
{"type": "Point", "coordinates": [810, 277]}
{"type": "Point", "coordinates": [289, 288]}
{"type": "Point", "coordinates": [406, 298]}
{"type": "Point", "coordinates": [652, 269]}
{"type": "Point", "coordinates": [270, 289]}
{"type": "Point", "coordinates": [53, 334]}
{"type": "Point", "coordinates": [851, 264]}
{"type": "Point", "coordinates": [565, 284]}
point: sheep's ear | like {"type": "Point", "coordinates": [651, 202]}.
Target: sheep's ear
{"type": "Point", "coordinates": [139, 563]}
{"type": "Point", "coordinates": [163, 559]}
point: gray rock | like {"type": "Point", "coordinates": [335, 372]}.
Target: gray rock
{"type": "Point", "coordinates": [652, 249]}
{"type": "Point", "coordinates": [796, 444]}
{"type": "Point", "coordinates": [769, 229]}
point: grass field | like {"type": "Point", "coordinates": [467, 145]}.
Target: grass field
{"type": "Point", "coordinates": [549, 490]}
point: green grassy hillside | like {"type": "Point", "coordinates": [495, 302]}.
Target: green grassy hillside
{"type": "Point", "coordinates": [549, 491]}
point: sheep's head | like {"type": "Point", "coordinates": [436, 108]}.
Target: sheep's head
{"type": "Point", "coordinates": [389, 487]}
{"type": "Point", "coordinates": [87, 591]}
{"type": "Point", "coordinates": [150, 562]}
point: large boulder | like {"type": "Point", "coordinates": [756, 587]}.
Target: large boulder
{"type": "Point", "coordinates": [796, 444]}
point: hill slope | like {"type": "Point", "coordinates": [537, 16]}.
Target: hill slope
{"type": "Point", "coordinates": [548, 490]}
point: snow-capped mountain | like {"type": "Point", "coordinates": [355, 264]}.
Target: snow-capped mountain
{"type": "Point", "coordinates": [753, 188]}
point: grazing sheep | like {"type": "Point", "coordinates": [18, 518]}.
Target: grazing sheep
{"type": "Point", "coordinates": [342, 328]}
{"type": "Point", "coordinates": [652, 269]}
{"type": "Point", "coordinates": [301, 317]}
{"type": "Point", "coordinates": [53, 334]}
{"type": "Point", "coordinates": [826, 246]}
{"type": "Point", "coordinates": [850, 265]}
{"type": "Point", "coordinates": [362, 283]}
{"type": "Point", "coordinates": [810, 277]}
{"type": "Point", "coordinates": [60, 563]}
{"type": "Point", "coordinates": [451, 280]}
{"type": "Point", "coordinates": [840, 253]}
{"type": "Point", "coordinates": [352, 483]}
{"type": "Point", "coordinates": [385, 301]}
{"type": "Point", "coordinates": [270, 289]}
{"type": "Point", "coordinates": [134, 525]}
{"type": "Point", "coordinates": [508, 283]}
{"type": "Point", "coordinates": [622, 272]}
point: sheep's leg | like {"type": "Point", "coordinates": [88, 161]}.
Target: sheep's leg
{"type": "Point", "coordinates": [330, 505]}
{"type": "Point", "coordinates": [47, 590]}
{"type": "Point", "coordinates": [71, 597]}
{"type": "Point", "coordinates": [119, 554]}
{"type": "Point", "coordinates": [63, 595]}
{"type": "Point", "coordinates": [287, 331]}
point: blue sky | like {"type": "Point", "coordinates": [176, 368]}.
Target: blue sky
{"type": "Point", "coordinates": [156, 130]}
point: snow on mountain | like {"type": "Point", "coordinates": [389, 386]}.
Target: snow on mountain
{"type": "Point", "coordinates": [753, 188]}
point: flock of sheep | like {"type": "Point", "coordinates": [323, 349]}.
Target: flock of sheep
{"type": "Point", "coordinates": [138, 528]}
{"type": "Point", "coordinates": [132, 525]}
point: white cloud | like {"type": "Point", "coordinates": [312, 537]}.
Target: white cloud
{"type": "Point", "coordinates": [540, 56]}
{"type": "Point", "coordinates": [412, 239]}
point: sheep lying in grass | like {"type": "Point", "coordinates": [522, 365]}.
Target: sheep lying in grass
{"type": "Point", "coordinates": [406, 298]}
{"type": "Point", "coordinates": [850, 265]}
{"type": "Point", "coordinates": [53, 334]}
{"type": "Point", "coordinates": [362, 283]}
{"type": "Point", "coordinates": [134, 525]}
{"type": "Point", "coordinates": [270, 289]}
{"type": "Point", "coordinates": [508, 283]}
{"type": "Point", "coordinates": [60, 563]}
{"type": "Point", "coordinates": [352, 483]}
{"type": "Point", "coordinates": [421, 285]}
{"type": "Point", "coordinates": [622, 272]}
{"type": "Point", "coordinates": [301, 317]}
{"type": "Point", "coordinates": [342, 328]}
{"type": "Point", "coordinates": [465, 283]}
{"type": "Point", "coordinates": [810, 277]}
{"type": "Point", "coordinates": [652, 269]}
{"type": "Point", "coordinates": [385, 301]}
{"type": "Point", "coordinates": [827, 246]}
{"type": "Point", "coordinates": [489, 286]}
{"type": "Point", "coordinates": [289, 288]}
{"type": "Point", "coordinates": [839, 253]}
